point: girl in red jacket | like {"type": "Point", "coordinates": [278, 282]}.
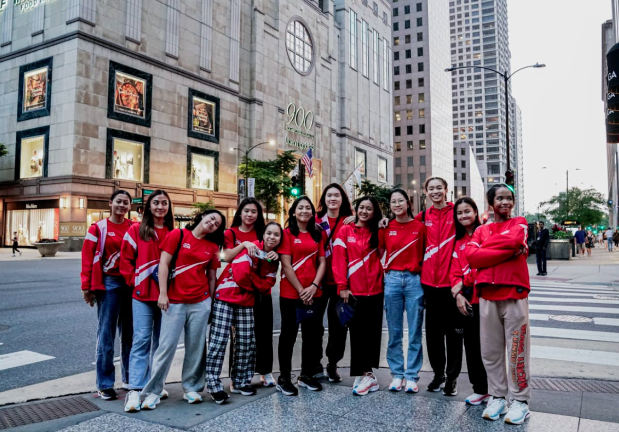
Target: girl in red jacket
{"type": "Point", "coordinates": [441, 312]}
{"type": "Point", "coordinates": [403, 244]}
{"type": "Point", "coordinates": [139, 257]}
{"type": "Point", "coordinates": [102, 283]}
{"type": "Point", "coordinates": [185, 301]}
{"type": "Point", "coordinates": [303, 265]}
{"type": "Point", "coordinates": [334, 211]}
{"type": "Point", "coordinates": [466, 220]}
{"type": "Point", "coordinates": [499, 253]}
{"type": "Point", "coordinates": [235, 295]}
{"type": "Point", "coordinates": [359, 277]}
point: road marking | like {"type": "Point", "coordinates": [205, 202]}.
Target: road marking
{"type": "Point", "coordinates": [607, 321]}
{"type": "Point", "coordinates": [575, 355]}
{"type": "Point", "coordinates": [585, 309]}
{"type": "Point", "coordinates": [21, 358]}
{"type": "Point", "coordinates": [563, 294]}
{"type": "Point", "coordinates": [560, 333]}
{"type": "Point", "coordinates": [573, 289]}
{"type": "Point", "coordinates": [573, 300]}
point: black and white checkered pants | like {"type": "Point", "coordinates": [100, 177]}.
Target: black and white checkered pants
{"type": "Point", "coordinates": [226, 315]}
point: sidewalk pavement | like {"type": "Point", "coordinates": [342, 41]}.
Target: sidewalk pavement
{"type": "Point", "coordinates": [30, 254]}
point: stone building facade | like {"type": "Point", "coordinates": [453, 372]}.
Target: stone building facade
{"type": "Point", "coordinates": [141, 95]}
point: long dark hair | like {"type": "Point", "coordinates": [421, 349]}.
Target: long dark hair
{"type": "Point", "coordinates": [409, 209]}
{"type": "Point", "coordinates": [147, 227]}
{"type": "Point", "coordinates": [460, 229]}
{"type": "Point", "coordinates": [345, 208]}
{"type": "Point", "coordinates": [492, 193]}
{"type": "Point", "coordinates": [281, 234]}
{"type": "Point", "coordinates": [311, 225]}
{"type": "Point", "coordinates": [258, 225]}
{"type": "Point", "coordinates": [216, 237]}
{"type": "Point", "coordinates": [376, 218]}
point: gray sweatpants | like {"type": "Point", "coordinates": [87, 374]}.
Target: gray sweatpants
{"type": "Point", "coordinates": [193, 318]}
{"type": "Point", "coordinates": [505, 328]}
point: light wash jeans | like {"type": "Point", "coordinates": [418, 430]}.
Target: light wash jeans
{"type": "Point", "coordinates": [113, 312]}
{"type": "Point", "coordinates": [610, 244]}
{"type": "Point", "coordinates": [146, 329]}
{"type": "Point", "coordinates": [403, 292]}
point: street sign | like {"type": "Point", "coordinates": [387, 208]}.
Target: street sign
{"type": "Point", "coordinates": [137, 201]}
{"type": "Point", "coordinates": [570, 222]}
{"type": "Point", "coordinates": [251, 183]}
{"type": "Point", "coordinates": [146, 192]}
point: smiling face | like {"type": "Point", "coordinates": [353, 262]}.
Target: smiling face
{"type": "Point", "coordinates": [303, 212]}
{"type": "Point", "coordinates": [436, 191]}
{"type": "Point", "coordinates": [398, 204]}
{"type": "Point", "coordinates": [120, 205]}
{"type": "Point", "coordinates": [365, 211]}
{"type": "Point", "coordinates": [272, 237]}
{"type": "Point", "coordinates": [503, 202]}
{"type": "Point", "coordinates": [333, 199]}
{"type": "Point", "coordinates": [210, 222]}
{"type": "Point", "coordinates": [466, 214]}
{"type": "Point", "coordinates": [249, 214]}
{"type": "Point", "coordinates": [159, 206]}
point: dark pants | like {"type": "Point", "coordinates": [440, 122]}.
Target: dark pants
{"type": "Point", "coordinates": [472, 346]}
{"type": "Point", "coordinates": [441, 321]}
{"type": "Point", "coordinates": [366, 329]}
{"type": "Point", "coordinates": [310, 334]}
{"type": "Point", "coordinates": [263, 330]}
{"type": "Point", "coordinates": [540, 255]}
{"type": "Point", "coordinates": [15, 245]}
{"type": "Point", "coordinates": [336, 343]}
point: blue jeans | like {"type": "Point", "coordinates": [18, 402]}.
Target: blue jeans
{"type": "Point", "coordinates": [113, 311]}
{"type": "Point", "coordinates": [146, 329]}
{"type": "Point", "coordinates": [403, 292]}
{"type": "Point", "coordinates": [610, 243]}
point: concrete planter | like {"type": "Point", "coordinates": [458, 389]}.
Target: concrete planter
{"type": "Point", "coordinates": [48, 249]}
{"type": "Point", "coordinates": [559, 250]}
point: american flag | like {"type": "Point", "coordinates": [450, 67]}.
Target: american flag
{"type": "Point", "coordinates": [307, 160]}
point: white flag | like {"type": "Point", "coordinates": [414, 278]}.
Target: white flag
{"type": "Point", "coordinates": [357, 174]}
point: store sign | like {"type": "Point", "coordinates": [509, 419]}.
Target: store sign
{"type": "Point", "coordinates": [31, 206]}
{"type": "Point", "coordinates": [300, 123]}
{"type": "Point", "coordinates": [23, 5]}
{"type": "Point", "coordinates": [72, 229]}
{"type": "Point", "coordinates": [39, 204]}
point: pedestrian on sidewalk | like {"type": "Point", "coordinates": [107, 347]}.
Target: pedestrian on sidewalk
{"type": "Point", "coordinates": [600, 238]}
{"type": "Point", "coordinates": [302, 254]}
{"type": "Point", "coordinates": [580, 236]}
{"type": "Point", "coordinates": [616, 238]}
{"type": "Point", "coordinates": [233, 305]}
{"type": "Point", "coordinates": [609, 238]}
{"type": "Point", "coordinates": [185, 301]}
{"type": "Point", "coordinates": [499, 253]}
{"type": "Point", "coordinates": [103, 284]}
{"type": "Point", "coordinates": [359, 277]}
{"type": "Point", "coordinates": [466, 220]}
{"type": "Point", "coordinates": [541, 245]}
{"type": "Point", "coordinates": [590, 242]}
{"type": "Point", "coordinates": [139, 258]}
{"type": "Point", "coordinates": [334, 211]}
{"type": "Point", "coordinates": [15, 243]}
{"type": "Point", "coordinates": [403, 241]}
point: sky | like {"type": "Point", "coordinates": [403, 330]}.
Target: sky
{"type": "Point", "coordinates": [562, 108]}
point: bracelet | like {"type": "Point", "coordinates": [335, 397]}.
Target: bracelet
{"type": "Point", "coordinates": [317, 287]}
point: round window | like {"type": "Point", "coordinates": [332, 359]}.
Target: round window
{"type": "Point", "coordinates": [300, 46]}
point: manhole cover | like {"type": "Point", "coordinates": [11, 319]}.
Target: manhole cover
{"type": "Point", "coordinates": [603, 297]}
{"type": "Point", "coordinates": [39, 412]}
{"type": "Point", "coordinates": [4, 327]}
{"type": "Point", "coordinates": [571, 318]}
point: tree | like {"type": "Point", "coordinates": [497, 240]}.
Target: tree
{"type": "Point", "coordinates": [203, 206]}
{"type": "Point", "coordinates": [586, 206]}
{"type": "Point", "coordinates": [380, 192]}
{"type": "Point", "coordinates": [536, 217]}
{"type": "Point", "coordinates": [272, 179]}
{"type": "Point", "coordinates": [3, 150]}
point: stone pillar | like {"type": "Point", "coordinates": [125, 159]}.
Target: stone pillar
{"type": "Point", "coordinates": [235, 39]}
{"type": "Point", "coordinates": [206, 38]}
{"type": "Point", "coordinates": [172, 29]}
{"type": "Point", "coordinates": [133, 29]}
{"type": "Point", "coordinates": [82, 10]}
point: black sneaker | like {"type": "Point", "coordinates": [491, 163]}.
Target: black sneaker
{"type": "Point", "coordinates": [245, 390]}
{"type": "Point", "coordinates": [319, 372]}
{"type": "Point", "coordinates": [333, 375]}
{"type": "Point", "coordinates": [451, 388]}
{"type": "Point", "coordinates": [286, 386]}
{"type": "Point", "coordinates": [107, 394]}
{"type": "Point", "coordinates": [220, 397]}
{"type": "Point", "coordinates": [437, 384]}
{"type": "Point", "coordinates": [309, 382]}
{"type": "Point", "coordinates": [539, 274]}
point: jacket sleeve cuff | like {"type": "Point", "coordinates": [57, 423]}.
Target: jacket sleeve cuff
{"type": "Point", "coordinates": [341, 288]}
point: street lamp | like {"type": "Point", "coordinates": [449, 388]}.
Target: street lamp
{"type": "Point", "coordinates": [246, 174]}
{"type": "Point", "coordinates": [567, 191]}
{"type": "Point", "coordinates": [509, 175]}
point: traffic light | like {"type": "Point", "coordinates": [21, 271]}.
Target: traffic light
{"type": "Point", "coordinates": [295, 190]}
{"type": "Point", "coordinates": [509, 179]}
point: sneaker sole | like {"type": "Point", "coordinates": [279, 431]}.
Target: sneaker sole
{"type": "Point", "coordinates": [450, 394]}
{"type": "Point", "coordinates": [192, 401]}
{"type": "Point", "coordinates": [235, 391]}
{"type": "Point", "coordinates": [307, 386]}
{"type": "Point", "coordinates": [219, 402]}
{"type": "Point", "coordinates": [132, 409]}
{"type": "Point", "coordinates": [107, 398]}
{"type": "Point", "coordinates": [284, 392]}
{"type": "Point", "coordinates": [411, 391]}
{"type": "Point", "coordinates": [441, 387]}
{"type": "Point", "coordinates": [149, 408]}
{"type": "Point", "coordinates": [476, 403]}
{"type": "Point", "coordinates": [518, 422]}
{"type": "Point", "coordinates": [335, 380]}
{"type": "Point", "coordinates": [395, 389]}
{"type": "Point", "coordinates": [489, 417]}
{"type": "Point", "coordinates": [265, 384]}
{"type": "Point", "coordinates": [371, 389]}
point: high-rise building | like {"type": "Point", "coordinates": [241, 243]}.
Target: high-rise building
{"type": "Point", "coordinates": [518, 156]}
{"type": "Point", "coordinates": [610, 37]}
{"type": "Point", "coordinates": [479, 37]}
{"type": "Point", "coordinates": [422, 138]}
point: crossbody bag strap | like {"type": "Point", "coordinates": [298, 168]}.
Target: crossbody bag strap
{"type": "Point", "coordinates": [175, 256]}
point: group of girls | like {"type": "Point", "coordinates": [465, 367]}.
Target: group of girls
{"type": "Point", "coordinates": [470, 279]}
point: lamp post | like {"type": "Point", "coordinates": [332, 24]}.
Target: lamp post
{"type": "Point", "coordinates": [506, 77]}
{"type": "Point", "coordinates": [246, 174]}
{"type": "Point", "coordinates": [567, 191]}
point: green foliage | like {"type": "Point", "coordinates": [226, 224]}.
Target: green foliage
{"type": "Point", "coordinates": [536, 217]}
{"type": "Point", "coordinates": [560, 235]}
{"type": "Point", "coordinates": [3, 150]}
{"type": "Point", "coordinates": [380, 192]}
{"type": "Point", "coordinates": [586, 206]}
{"type": "Point", "coordinates": [203, 206]}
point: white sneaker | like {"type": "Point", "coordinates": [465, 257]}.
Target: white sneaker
{"type": "Point", "coordinates": [368, 384]}
{"type": "Point", "coordinates": [357, 381]}
{"type": "Point", "coordinates": [411, 387]}
{"type": "Point", "coordinates": [164, 394]}
{"type": "Point", "coordinates": [132, 401]}
{"type": "Point", "coordinates": [151, 401]}
{"type": "Point", "coordinates": [397, 384]}
{"type": "Point", "coordinates": [192, 397]}
{"type": "Point", "coordinates": [518, 413]}
{"type": "Point", "coordinates": [495, 409]}
{"type": "Point", "coordinates": [268, 380]}
{"type": "Point", "coordinates": [477, 399]}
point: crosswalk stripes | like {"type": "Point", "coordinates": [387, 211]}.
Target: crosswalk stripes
{"type": "Point", "coordinates": [21, 358]}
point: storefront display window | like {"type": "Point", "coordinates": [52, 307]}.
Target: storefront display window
{"type": "Point", "coordinates": [203, 119]}
{"type": "Point", "coordinates": [130, 94]}
{"type": "Point", "coordinates": [382, 170]}
{"type": "Point", "coordinates": [96, 215]}
{"type": "Point", "coordinates": [31, 164]}
{"type": "Point", "coordinates": [127, 156]}
{"type": "Point", "coordinates": [31, 225]}
{"type": "Point", "coordinates": [361, 161]}
{"type": "Point", "coordinates": [35, 92]}
{"type": "Point", "coordinates": [202, 171]}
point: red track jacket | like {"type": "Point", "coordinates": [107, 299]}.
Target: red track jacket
{"type": "Point", "coordinates": [240, 280]}
{"type": "Point", "coordinates": [440, 235]}
{"type": "Point", "coordinates": [492, 251]}
{"type": "Point", "coordinates": [355, 266]}
{"type": "Point", "coordinates": [460, 270]}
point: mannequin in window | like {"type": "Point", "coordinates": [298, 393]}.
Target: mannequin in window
{"type": "Point", "coordinates": [35, 164]}
{"type": "Point", "coordinates": [116, 164]}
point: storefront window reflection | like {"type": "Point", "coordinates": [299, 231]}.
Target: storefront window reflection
{"type": "Point", "coordinates": [31, 225]}
{"type": "Point", "coordinates": [128, 160]}
{"type": "Point", "coordinates": [96, 215]}
{"type": "Point", "coordinates": [32, 157]}
{"type": "Point", "coordinates": [202, 171]}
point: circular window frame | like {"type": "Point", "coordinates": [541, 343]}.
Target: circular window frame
{"type": "Point", "coordinates": [313, 60]}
